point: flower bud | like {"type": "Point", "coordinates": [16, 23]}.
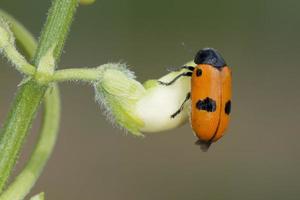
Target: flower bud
{"type": "Point", "coordinates": [6, 36]}
{"type": "Point", "coordinates": [142, 108]}
{"type": "Point", "coordinates": [118, 92]}
{"type": "Point", "coordinates": [160, 102]}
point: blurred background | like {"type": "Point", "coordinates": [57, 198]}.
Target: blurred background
{"type": "Point", "coordinates": [259, 157]}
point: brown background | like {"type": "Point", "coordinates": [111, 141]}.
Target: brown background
{"type": "Point", "coordinates": [257, 159]}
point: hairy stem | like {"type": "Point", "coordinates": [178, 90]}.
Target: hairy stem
{"type": "Point", "coordinates": [24, 38]}
{"type": "Point", "coordinates": [56, 29]}
{"type": "Point", "coordinates": [26, 179]}
{"type": "Point", "coordinates": [80, 74]}
{"type": "Point", "coordinates": [30, 94]}
{"type": "Point", "coordinates": [16, 126]}
{"type": "Point", "coordinates": [19, 61]}
{"type": "Point", "coordinates": [21, 186]}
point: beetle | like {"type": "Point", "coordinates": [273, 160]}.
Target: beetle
{"type": "Point", "coordinates": [210, 96]}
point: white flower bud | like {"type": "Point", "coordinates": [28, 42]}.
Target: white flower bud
{"type": "Point", "coordinates": [160, 102]}
{"type": "Point", "coordinates": [142, 108]}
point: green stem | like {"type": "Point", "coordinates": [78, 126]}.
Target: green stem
{"type": "Point", "coordinates": [23, 36]}
{"type": "Point", "coordinates": [80, 74]}
{"type": "Point", "coordinates": [56, 28]}
{"type": "Point", "coordinates": [19, 61]}
{"type": "Point", "coordinates": [26, 179]}
{"type": "Point", "coordinates": [51, 118]}
{"type": "Point", "coordinates": [17, 125]}
{"type": "Point", "coordinates": [8, 48]}
{"type": "Point", "coordinates": [31, 93]}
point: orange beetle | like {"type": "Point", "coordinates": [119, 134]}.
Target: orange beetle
{"type": "Point", "coordinates": [210, 96]}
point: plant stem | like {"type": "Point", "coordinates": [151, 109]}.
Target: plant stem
{"type": "Point", "coordinates": [26, 179]}
{"type": "Point", "coordinates": [23, 36]}
{"type": "Point", "coordinates": [18, 60]}
{"type": "Point", "coordinates": [16, 126]}
{"type": "Point", "coordinates": [56, 28]}
{"type": "Point", "coordinates": [30, 94]}
{"type": "Point", "coordinates": [51, 118]}
{"type": "Point", "coordinates": [80, 74]}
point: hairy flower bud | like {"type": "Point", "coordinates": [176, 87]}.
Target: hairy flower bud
{"type": "Point", "coordinates": [141, 108]}
{"type": "Point", "coordinates": [118, 92]}
{"type": "Point", "coordinates": [6, 36]}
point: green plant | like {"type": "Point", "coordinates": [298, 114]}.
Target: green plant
{"type": "Point", "coordinates": [124, 99]}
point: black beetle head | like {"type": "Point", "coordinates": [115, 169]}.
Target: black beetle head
{"type": "Point", "coordinates": [209, 56]}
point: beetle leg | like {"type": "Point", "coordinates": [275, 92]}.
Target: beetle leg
{"type": "Point", "coordinates": [204, 145]}
{"type": "Point", "coordinates": [188, 96]}
{"type": "Point", "coordinates": [172, 69]}
{"type": "Point", "coordinates": [177, 77]}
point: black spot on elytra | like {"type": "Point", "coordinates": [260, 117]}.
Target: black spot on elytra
{"type": "Point", "coordinates": [207, 104]}
{"type": "Point", "coordinates": [199, 72]}
{"type": "Point", "coordinates": [228, 107]}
